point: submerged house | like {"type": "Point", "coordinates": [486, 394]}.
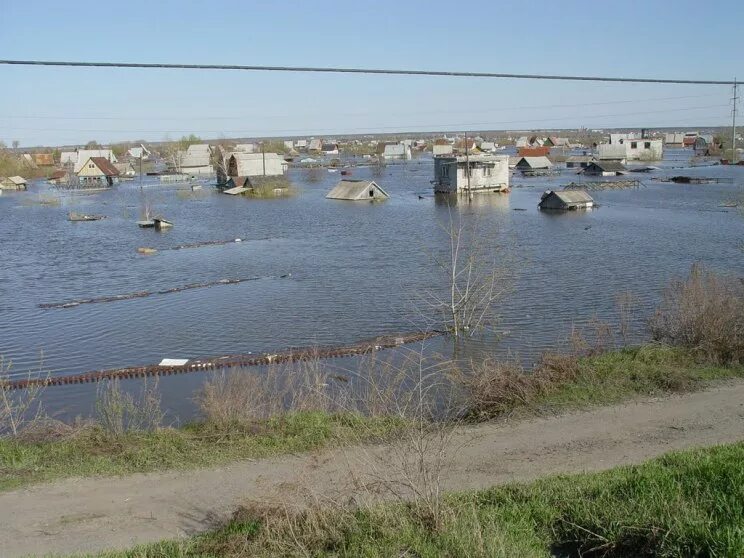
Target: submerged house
{"type": "Point", "coordinates": [626, 147]}
{"type": "Point", "coordinates": [241, 167]}
{"type": "Point", "coordinates": [579, 161]}
{"type": "Point", "coordinates": [441, 147]}
{"type": "Point", "coordinates": [329, 149]}
{"type": "Point", "coordinates": [125, 169]}
{"type": "Point", "coordinates": [98, 172]}
{"type": "Point", "coordinates": [357, 190]}
{"type": "Point", "coordinates": [566, 200]}
{"type": "Point", "coordinates": [82, 156]}
{"type": "Point", "coordinates": [13, 183]}
{"type": "Point", "coordinates": [477, 173]}
{"type": "Point", "coordinates": [197, 159]}
{"type": "Point", "coordinates": [315, 145]}
{"type": "Point", "coordinates": [706, 144]}
{"type": "Point", "coordinates": [394, 151]}
{"type": "Point", "coordinates": [140, 152]}
{"type": "Point", "coordinates": [604, 168]}
{"type": "Point", "coordinates": [675, 139]}
{"type": "Point", "coordinates": [533, 163]}
{"type": "Point", "coordinates": [553, 141]}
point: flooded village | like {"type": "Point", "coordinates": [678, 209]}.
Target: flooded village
{"type": "Point", "coordinates": [248, 212]}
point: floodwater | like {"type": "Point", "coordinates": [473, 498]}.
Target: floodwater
{"type": "Point", "coordinates": [355, 267]}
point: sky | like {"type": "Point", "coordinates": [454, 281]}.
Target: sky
{"type": "Point", "coordinates": [62, 106]}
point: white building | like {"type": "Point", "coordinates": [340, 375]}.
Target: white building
{"type": "Point", "coordinates": [628, 148]}
{"type": "Point", "coordinates": [79, 157]}
{"type": "Point", "coordinates": [246, 147]}
{"type": "Point", "coordinates": [256, 164]}
{"type": "Point", "coordinates": [481, 173]}
{"type": "Point", "coordinates": [441, 149]}
{"type": "Point", "coordinates": [140, 152]}
{"type": "Point", "coordinates": [396, 151]}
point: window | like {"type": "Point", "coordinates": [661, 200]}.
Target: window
{"type": "Point", "coordinates": [634, 145]}
{"type": "Point", "coordinates": [445, 171]}
{"type": "Point", "coordinates": [371, 193]}
{"type": "Point", "coordinates": [647, 145]}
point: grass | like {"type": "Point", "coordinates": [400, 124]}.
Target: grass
{"type": "Point", "coordinates": [93, 451]}
{"type": "Point", "coordinates": [682, 504]}
{"type": "Point", "coordinates": [562, 382]}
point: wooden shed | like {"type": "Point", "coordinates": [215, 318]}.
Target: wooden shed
{"type": "Point", "coordinates": [566, 200]}
{"type": "Point", "coordinates": [12, 183]}
{"type": "Point", "coordinates": [604, 168]}
{"type": "Point", "coordinates": [357, 190]}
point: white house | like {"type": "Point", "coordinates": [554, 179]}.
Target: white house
{"type": "Point", "coordinates": [486, 173]}
{"type": "Point", "coordinates": [315, 145]}
{"type": "Point", "coordinates": [256, 164]}
{"type": "Point", "coordinates": [441, 149]}
{"type": "Point", "coordinates": [300, 144]}
{"type": "Point", "coordinates": [396, 151]}
{"type": "Point", "coordinates": [140, 152]}
{"type": "Point", "coordinates": [79, 157]}
{"type": "Point", "coordinates": [246, 147]}
{"type": "Point", "coordinates": [197, 159]}
{"type": "Point", "coordinates": [329, 149]}
{"type": "Point", "coordinates": [631, 149]}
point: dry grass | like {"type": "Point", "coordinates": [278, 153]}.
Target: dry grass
{"type": "Point", "coordinates": [704, 313]}
{"type": "Point", "coordinates": [119, 412]}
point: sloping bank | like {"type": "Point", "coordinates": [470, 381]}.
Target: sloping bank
{"type": "Point", "coordinates": [682, 504]}
{"type": "Point", "coordinates": [567, 383]}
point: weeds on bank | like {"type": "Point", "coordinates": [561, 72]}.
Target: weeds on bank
{"type": "Point", "coordinates": [682, 504]}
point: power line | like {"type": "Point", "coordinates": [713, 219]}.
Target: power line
{"type": "Point", "coordinates": [377, 71]}
{"type": "Point", "coordinates": [460, 125]}
{"type": "Point", "coordinates": [264, 116]}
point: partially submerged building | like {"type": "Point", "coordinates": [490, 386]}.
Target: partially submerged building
{"type": "Point", "coordinates": [477, 173]}
{"type": "Point", "coordinates": [675, 139]}
{"type": "Point", "coordinates": [626, 147]}
{"type": "Point", "coordinates": [394, 151]}
{"type": "Point", "coordinates": [357, 190]}
{"type": "Point", "coordinates": [604, 168]}
{"type": "Point", "coordinates": [196, 160]}
{"type": "Point", "coordinates": [579, 161]}
{"type": "Point", "coordinates": [706, 144]}
{"type": "Point", "coordinates": [97, 172]}
{"type": "Point", "coordinates": [240, 168]}
{"type": "Point", "coordinates": [125, 169]}
{"type": "Point", "coordinates": [566, 200]}
{"type": "Point", "coordinates": [533, 163]}
{"type": "Point", "coordinates": [13, 183]}
{"type": "Point", "coordinates": [140, 152]}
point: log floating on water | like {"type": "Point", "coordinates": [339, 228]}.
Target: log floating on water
{"type": "Point", "coordinates": [203, 364]}
{"type": "Point", "coordinates": [142, 294]}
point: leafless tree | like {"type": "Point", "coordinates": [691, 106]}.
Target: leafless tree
{"type": "Point", "coordinates": [475, 273]}
{"type": "Point", "coordinates": [19, 409]}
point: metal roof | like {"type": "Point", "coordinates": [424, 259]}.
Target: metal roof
{"type": "Point", "coordinates": [354, 190]}
{"type": "Point", "coordinates": [536, 162]}
{"type": "Point", "coordinates": [573, 196]}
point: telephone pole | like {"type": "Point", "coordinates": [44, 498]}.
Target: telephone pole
{"type": "Point", "coordinates": [735, 98]}
{"type": "Point", "coordinates": [467, 167]}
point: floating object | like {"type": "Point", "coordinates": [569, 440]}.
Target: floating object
{"type": "Point", "coordinates": [238, 240]}
{"type": "Point", "coordinates": [332, 170]}
{"type": "Point", "coordinates": [345, 172]}
{"type": "Point", "coordinates": [147, 251]}
{"type": "Point", "coordinates": [72, 216]}
{"type": "Point", "coordinates": [173, 362]}
{"type": "Point", "coordinates": [235, 191]}
{"type": "Point", "coordinates": [195, 187]}
{"type": "Point", "coordinates": [161, 223]}
{"type": "Point", "coordinates": [146, 224]}
{"type": "Point", "coordinates": [357, 190]}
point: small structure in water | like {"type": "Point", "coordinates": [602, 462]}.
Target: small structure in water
{"type": "Point", "coordinates": [13, 183]}
{"type": "Point", "coordinates": [471, 173]}
{"type": "Point", "coordinates": [564, 200]}
{"type": "Point", "coordinates": [76, 217]}
{"type": "Point", "coordinates": [533, 166]}
{"type": "Point", "coordinates": [605, 168]}
{"type": "Point", "coordinates": [357, 190]}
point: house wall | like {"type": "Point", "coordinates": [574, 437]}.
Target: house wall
{"type": "Point", "coordinates": [442, 149]}
{"type": "Point", "coordinates": [451, 177]}
{"type": "Point", "coordinates": [632, 150]}
{"type": "Point", "coordinates": [90, 170]}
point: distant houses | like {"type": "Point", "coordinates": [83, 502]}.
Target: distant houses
{"type": "Point", "coordinates": [707, 145]}
{"type": "Point", "coordinates": [566, 200]}
{"type": "Point", "coordinates": [329, 149]}
{"type": "Point", "coordinates": [97, 172]}
{"type": "Point", "coordinates": [357, 190]}
{"type": "Point", "coordinates": [125, 169]}
{"type": "Point", "coordinates": [140, 152]}
{"type": "Point", "coordinates": [441, 147]}
{"type": "Point", "coordinates": [13, 183]}
{"type": "Point", "coordinates": [80, 157]}
{"type": "Point", "coordinates": [315, 145]}
{"type": "Point", "coordinates": [579, 161]}
{"type": "Point", "coordinates": [477, 173]}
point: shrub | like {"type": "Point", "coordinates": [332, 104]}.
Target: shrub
{"type": "Point", "coordinates": [705, 313]}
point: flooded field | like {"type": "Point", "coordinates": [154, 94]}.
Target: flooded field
{"type": "Point", "coordinates": [316, 271]}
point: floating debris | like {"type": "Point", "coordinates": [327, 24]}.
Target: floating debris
{"type": "Point", "coordinates": [161, 223]}
{"type": "Point", "coordinates": [146, 224]}
{"type": "Point", "coordinates": [297, 354]}
{"type": "Point", "coordinates": [143, 294]}
{"type": "Point", "coordinates": [75, 217]}
{"type": "Point", "coordinates": [147, 251]}
{"type": "Point", "coordinates": [209, 243]}
{"type": "Point", "coordinates": [604, 185]}
{"type": "Point", "coordinates": [694, 180]}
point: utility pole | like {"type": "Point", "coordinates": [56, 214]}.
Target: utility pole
{"type": "Point", "coordinates": [467, 167]}
{"type": "Point", "coordinates": [140, 169]}
{"type": "Point", "coordinates": [733, 126]}
{"type": "Point", "coordinates": [263, 158]}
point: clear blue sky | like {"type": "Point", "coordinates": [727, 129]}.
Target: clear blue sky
{"type": "Point", "coordinates": [677, 39]}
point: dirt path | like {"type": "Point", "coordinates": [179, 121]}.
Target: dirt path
{"type": "Point", "coordinates": [86, 515]}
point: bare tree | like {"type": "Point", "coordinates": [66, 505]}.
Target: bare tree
{"type": "Point", "coordinates": [15, 145]}
{"type": "Point", "coordinates": [475, 273]}
{"type": "Point", "coordinates": [19, 409]}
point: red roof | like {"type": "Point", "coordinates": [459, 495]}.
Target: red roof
{"type": "Point", "coordinates": [533, 151]}
{"type": "Point", "coordinates": [105, 165]}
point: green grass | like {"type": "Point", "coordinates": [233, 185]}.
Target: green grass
{"type": "Point", "coordinates": [683, 504]}
{"type": "Point", "coordinates": [565, 383]}
{"type": "Point", "coordinates": [95, 452]}
{"type": "Point", "coordinates": [626, 373]}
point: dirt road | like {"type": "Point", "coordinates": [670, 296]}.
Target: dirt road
{"type": "Point", "coordinates": [86, 515]}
